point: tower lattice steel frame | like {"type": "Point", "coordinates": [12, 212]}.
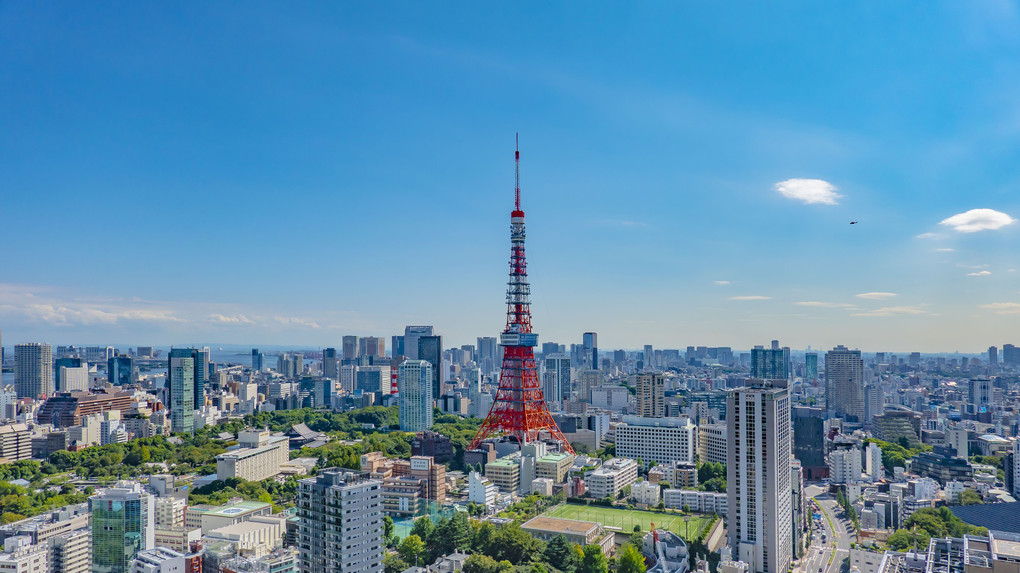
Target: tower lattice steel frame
{"type": "Point", "coordinates": [519, 410]}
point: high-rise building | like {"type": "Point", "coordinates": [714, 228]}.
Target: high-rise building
{"type": "Point", "coordinates": [397, 345]}
{"type": "Point", "coordinates": [980, 393]}
{"type": "Point", "coordinates": [414, 382]}
{"type": "Point", "coordinates": [557, 377]}
{"type": "Point", "coordinates": [200, 374]}
{"type": "Point", "coordinates": [770, 364]}
{"type": "Point", "coordinates": [993, 356]}
{"type": "Point", "coordinates": [649, 356]}
{"type": "Point", "coordinates": [430, 349]}
{"type": "Point", "coordinates": [340, 527]}
{"type": "Point", "coordinates": [844, 384]}
{"type": "Point", "coordinates": [182, 394]}
{"type": "Point", "coordinates": [374, 379]}
{"type": "Point", "coordinates": [33, 369]}
{"type": "Point", "coordinates": [372, 346]}
{"type": "Point", "coordinates": [350, 347]}
{"type": "Point", "coordinates": [809, 441]}
{"type": "Point", "coordinates": [411, 334]}
{"type": "Point", "coordinates": [290, 364]}
{"type": "Point", "coordinates": [487, 357]}
{"type": "Point", "coordinates": [760, 513]}
{"type": "Point", "coordinates": [59, 385]}
{"type": "Point", "coordinates": [591, 350]}
{"type": "Point", "coordinates": [330, 364]}
{"type": "Point", "coordinates": [120, 370]}
{"type": "Point", "coordinates": [258, 360]}
{"type": "Point", "coordinates": [123, 523]}
{"type": "Point", "coordinates": [1010, 354]}
{"type": "Point", "coordinates": [810, 367]}
{"type": "Point", "coordinates": [651, 395]}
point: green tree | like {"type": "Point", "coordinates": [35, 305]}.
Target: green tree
{"type": "Point", "coordinates": [631, 560]}
{"type": "Point", "coordinates": [511, 543]}
{"type": "Point", "coordinates": [485, 564]}
{"type": "Point", "coordinates": [903, 539]}
{"type": "Point", "coordinates": [388, 530]}
{"type": "Point", "coordinates": [970, 497]}
{"type": "Point", "coordinates": [594, 561]}
{"type": "Point", "coordinates": [423, 527]}
{"type": "Point", "coordinates": [411, 549]}
{"type": "Point", "coordinates": [394, 564]}
{"type": "Point", "coordinates": [561, 554]}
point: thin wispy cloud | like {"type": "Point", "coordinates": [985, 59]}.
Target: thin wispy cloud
{"type": "Point", "coordinates": [875, 295]}
{"type": "Point", "coordinates": [927, 236]}
{"type": "Point", "coordinates": [823, 304]}
{"type": "Point", "coordinates": [295, 321]}
{"type": "Point", "coordinates": [1002, 307]}
{"type": "Point", "coordinates": [233, 319]}
{"type": "Point", "coordinates": [890, 311]}
{"type": "Point", "coordinates": [979, 274]}
{"type": "Point", "coordinates": [751, 297]}
{"type": "Point", "coordinates": [945, 250]}
{"type": "Point", "coordinates": [809, 191]}
{"type": "Point", "coordinates": [978, 220]}
{"type": "Point", "coordinates": [61, 315]}
{"type": "Point", "coordinates": [722, 283]}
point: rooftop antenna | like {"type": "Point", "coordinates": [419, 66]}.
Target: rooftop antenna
{"type": "Point", "coordinates": [517, 171]}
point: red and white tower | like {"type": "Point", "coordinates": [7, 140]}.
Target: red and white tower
{"type": "Point", "coordinates": [519, 410]}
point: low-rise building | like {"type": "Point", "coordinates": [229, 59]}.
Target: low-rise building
{"type": "Point", "coordinates": [505, 473]}
{"type": "Point", "coordinates": [611, 477]}
{"type": "Point", "coordinates": [645, 492]}
{"type": "Point", "coordinates": [259, 456]}
{"type": "Point", "coordinates": [553, 466]}
{"type": "Point", "coordinates": [712, 443]}
{"type": "Point", "coordinates": [21, 556]}
{"type": "Point", "coordinates": [579, 532]}
{"type": "Point", "coordinates": [481, 490]}
{"type": "Point", "coordinates": [209, 517]}
{"type": "Point", "coordinates": [662, 440]}
{"type": "Point", "coordinates": [696, 501]}
{"type": "Point", "coordinates": [254, 538]}
{"type": "Point", "coordinates": [158, 560]}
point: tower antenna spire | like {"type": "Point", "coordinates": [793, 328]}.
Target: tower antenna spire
{"type": "Point", "coordinates": [517, 171]}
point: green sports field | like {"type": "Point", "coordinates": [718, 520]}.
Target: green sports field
{"type": "Point", "coordinates": [626, 519]}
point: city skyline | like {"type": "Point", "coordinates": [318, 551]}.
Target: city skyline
{"type": "Point", "coordinates": [668, 204]}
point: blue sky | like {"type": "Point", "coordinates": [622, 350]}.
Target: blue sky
{"type": "Point", "coordinates": [268, 174]}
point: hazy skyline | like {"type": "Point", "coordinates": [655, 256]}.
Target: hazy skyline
{"type": "Point", "coordinates": [287, 175]}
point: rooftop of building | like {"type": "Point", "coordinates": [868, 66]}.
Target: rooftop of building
{"type": "Point", "coordinates": [232, 509]}
{"type": "Point", "coordinates": [504, 463]}
{"type": "Point", "coordinates": [564, 526]}
{"type": "Point", "coordinates": [554, 458]}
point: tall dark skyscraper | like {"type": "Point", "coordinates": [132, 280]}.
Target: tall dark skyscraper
{"type": "Point", "coordinates": [120, 370]}
{"type": "Point", "coordinates": [411, 335]}
{"type": "Point", "coordinates": [349, 345]}
{"type": "Point", "coordinates": [330, 364]}
{"type": "Point", "coordinates": [591, 350]}
{"type": "Point", "coordinates": [810, 367]}
{"type": "Point", "coordinates": [201, 375]}
{"type": "Point", "coordinates": [397, 345]}
{"type": "Point", "coordinates": [258, 360]}
{"type": "Point", "coordinates": [430, 349]}
{"type": "Point", "coordinates": [770, 364]}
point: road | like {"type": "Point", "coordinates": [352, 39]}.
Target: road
{"type": "Point", "coordinates": [826, 557]}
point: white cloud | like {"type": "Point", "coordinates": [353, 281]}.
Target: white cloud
{"type": "Point", "coordinates": [979, 274]}
{"type": "Point", "coordinates": [927, 236]}
{"type": "Point", "coordinates": [890, 311]}
{"type": "Point", "coordinates": [876, 295]}
{"type": "Point", "coordinates": [233, 319]}
{"type": "Point", "coordinates": [808, 190]}
{"type": "Point", "coordinates": [945, 250]}
{"type": "Point", "coordinates": [821, 304]}
{"type": "Point", "coordinates": [1003, 307]}
{"type": "Point", "coordinates": [69, 315]}
{"type": "Point", "coordinates": [978, 220]}
{"type": "Point", "coordinates": [751, 297]}
{"type": "Point", "coordinates": [722, 283]}
{"type": "Point", "coordinates": [295, 321]}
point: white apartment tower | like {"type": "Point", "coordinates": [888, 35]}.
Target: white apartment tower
{"type": "Point", "coordinates": [33, 369]}
{"type": "Point", "coordinates": [760, 528]}
{"type": "Point", "coordinates": [340, 523]}
{"type": "Point", "coordinates": [651, 395]}
{"type": "Point", "coordinates": [414, 380]}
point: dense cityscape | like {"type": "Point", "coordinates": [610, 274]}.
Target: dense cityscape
{"type": "Point", "coordinates": [509, 287]}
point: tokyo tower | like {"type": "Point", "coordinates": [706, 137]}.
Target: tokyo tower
{"type": "Point", "coordinates": [519, 410]}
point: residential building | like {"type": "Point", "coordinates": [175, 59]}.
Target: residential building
{"type": "Point", "coordinates": [21, 556]}
{"type": "Point", "coordinates": [844, 384]}
{"type": "Point", "coordinates": [122, 525]}
{"type": "Point", "coordinates": [169, 511]}
{"type": "Point", "coordinates": [845, 465]}
{"type": "Point", "coordinates": [645, 492]}
{"type": "Point", "coordinates": [33, 369]}
{"type": "Point", "coordinates": [259, 456]}
{"type": "Point", "coordinates": [481, 490]}
{"type": "Point", "coordinates": [696, 501]}
{"type": "Point", "coordinates": [15, 442]}
{"type": "Point", "coordinates": [651, 395]}
{"type": "Point", "coordinates": [758, 477]}
{"type": "Point", "coordinates": [340, 523]}
{"type": "Point", "coordinates": [657, 439]}
{"type": "Point", "coordinates": [712, 444]}
{"type": "Point", "coordinates": [414, 381]}
{"type": "Point", "coordinates": [609, 479]}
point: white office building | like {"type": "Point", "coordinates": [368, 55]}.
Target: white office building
{"type": "Point", "coordinates": [662, 440]}
{"type": "Point", "coordinates": [609, 479]}
{"type": "Point", "coordinates": [760, 514]}
{"type": "Point", "coordinates": [481, 490]}
{"type": "Point", "coordinates": [845, 465]}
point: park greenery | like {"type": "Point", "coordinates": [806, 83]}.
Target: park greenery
{"type": "Point", "coordinates": [929, 522]}
{"type": "Point", "coordinates": [896, 455]}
